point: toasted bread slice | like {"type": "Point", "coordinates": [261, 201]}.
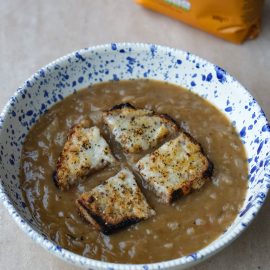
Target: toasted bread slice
{"type": "Point", "coordinates": [175, 168]}
{"type": "Point", "coordinates": [84, 152]}
{"type": "Point", "coordinates": [137, 130]}
{"type": "Point", "coordinates": [115, 204]}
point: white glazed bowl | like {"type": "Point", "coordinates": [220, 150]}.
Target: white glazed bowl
{"type": "Point", "coordinates": [132, 61]}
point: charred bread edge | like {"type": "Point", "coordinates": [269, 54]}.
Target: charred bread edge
{"type": "Point", "coordinates": [55, 179]}
{"type": "Point", "coordinates": [60, 160]}
{"type": "Point", "coordinates": [121, 106]}
{"type": "Point", "coordinates": [55, 174]}
{"type": "Point", "coordinates": [84, 214]}
{"type": "Point", "coordinates": [206, 174]}
{"type": "Point", "coordinates": [179, 192]}
{"type": "Point", "coordinates": [168, 117]}
{"type": "Point", "coordinates": [105, 228]}
{"type": "Point", "coordinates": [209, 171]}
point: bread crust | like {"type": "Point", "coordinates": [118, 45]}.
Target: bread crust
{"type": "Point", "coordinates": [138, 130]}
{"type": "Point", "coordinates": [176, 168]}
{"type": "Point", "coordinates": [115, 204]}
{"type": "Point", "coordinates": [84, 152]}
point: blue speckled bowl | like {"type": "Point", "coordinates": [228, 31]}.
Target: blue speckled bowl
{"type": "Point", "coordinates": [131, 61]}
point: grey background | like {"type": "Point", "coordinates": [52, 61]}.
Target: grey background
{"type": "Point", "coordinates": [35, 32]}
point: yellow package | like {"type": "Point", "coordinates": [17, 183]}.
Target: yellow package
{"type": "Point", "coordinates": [233, 20]}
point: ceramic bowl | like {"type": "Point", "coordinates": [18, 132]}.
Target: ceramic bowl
{"type": "Point", "coordinates": [121, 62]}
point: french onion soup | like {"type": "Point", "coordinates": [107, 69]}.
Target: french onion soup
{"type": "Point", "coordinates": [135, 171]}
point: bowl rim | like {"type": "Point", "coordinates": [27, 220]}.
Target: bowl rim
{"type": "Point", "coordinates": [82, 261]}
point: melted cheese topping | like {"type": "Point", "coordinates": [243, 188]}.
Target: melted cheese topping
{"type": "Point", "coordinates": [138, 129]}
{"type": "Point", "coordinates": [85, 151]}
{"type": "Point", "coordinates": [178, 164]}
{"type": "Point", "coordinates": [118, 199]}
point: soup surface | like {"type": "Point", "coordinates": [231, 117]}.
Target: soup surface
{"type": "Point", "coordinates": [184, 227]}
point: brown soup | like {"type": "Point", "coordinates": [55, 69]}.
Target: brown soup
{"type": "Point", "coordinates": [189, 224]}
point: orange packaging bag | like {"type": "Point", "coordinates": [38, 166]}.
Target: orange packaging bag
{"type": "Point", "coordinates": [233, 20]}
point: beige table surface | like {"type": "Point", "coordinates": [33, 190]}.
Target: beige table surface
{"type": "Point", "coordinates": [35, 32]}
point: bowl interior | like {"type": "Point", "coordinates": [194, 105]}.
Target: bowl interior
{"type": "Point", "coordinates": [131, 61]}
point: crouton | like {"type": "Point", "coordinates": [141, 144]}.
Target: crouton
{"type": "Point", "coordinates": [138, 130]}
{"type": "Point", "coordinates": [175, 168]}
{"type": "Point", "coordinates": [115, 204]}
{"type": "Point", "coordinates": [84, 152]}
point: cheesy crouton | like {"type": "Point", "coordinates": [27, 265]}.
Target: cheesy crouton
{"type": "Point", "coordinates": [138, 130]}
{"type": "Point", "coordinates": [84, 152]}
{"type": "Point", "coordinates": [175, 168]}
{"type": "Point", "coordinates": [115, 204]}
